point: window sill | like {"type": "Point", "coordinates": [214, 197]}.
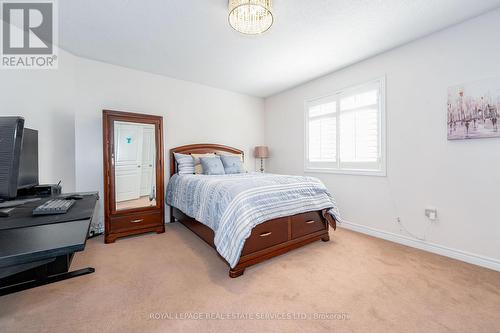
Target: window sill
{"type": "Point", "coordinates": [352, 172]}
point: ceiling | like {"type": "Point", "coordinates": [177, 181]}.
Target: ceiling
{"type": "Point", "coordinates": [192, 40]}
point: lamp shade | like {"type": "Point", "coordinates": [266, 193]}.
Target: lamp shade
{"type": "Point", "coordinates": [261, 152]}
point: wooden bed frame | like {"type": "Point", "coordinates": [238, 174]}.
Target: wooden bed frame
{"type": "Point", "coordinates": [268, 239]}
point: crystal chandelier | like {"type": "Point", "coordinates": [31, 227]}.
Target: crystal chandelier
{"type": "Point", "coordinates": [251, 17]}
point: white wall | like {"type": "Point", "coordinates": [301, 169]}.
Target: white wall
{"type": "Point", "coordinates": [460, 178]}
{"type": "Point", "coordinates": [45, 98]}
{"type": "Point", "coordinates": [66, 105]}
{"type": "Point", "coordinates": [192, 113]}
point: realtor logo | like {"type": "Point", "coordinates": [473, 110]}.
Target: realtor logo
{"type": "Point", "coordinates": [28, 31]}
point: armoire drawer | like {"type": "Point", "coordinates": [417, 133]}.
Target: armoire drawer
{"type": "Point", "coordinates": [133, 222]}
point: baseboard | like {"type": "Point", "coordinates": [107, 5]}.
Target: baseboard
{"type": "Point", "coordinates": [426, 246]}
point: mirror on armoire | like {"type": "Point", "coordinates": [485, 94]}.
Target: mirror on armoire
{"type": "Point", "coordinates": [133, 174]}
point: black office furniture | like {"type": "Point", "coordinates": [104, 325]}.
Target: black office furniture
{"type": "Point", "coordinates": [36, 250]}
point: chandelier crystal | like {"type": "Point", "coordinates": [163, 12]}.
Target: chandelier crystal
{"type": "Point", "coordinates": [251, 17]}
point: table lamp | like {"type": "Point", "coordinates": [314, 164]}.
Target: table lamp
{"type": "Point", "coordinates": [261, 152]}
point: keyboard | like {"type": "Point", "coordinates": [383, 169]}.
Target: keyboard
{"type": "Point", "coordinates": [54, 206]}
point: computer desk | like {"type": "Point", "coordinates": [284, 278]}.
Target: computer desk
{"type": "Point", "coordinates": [32, 256]}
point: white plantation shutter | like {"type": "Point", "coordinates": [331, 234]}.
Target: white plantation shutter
{"type": "Point", "coordinates": [344, 131]}
{"type": "Point", "coordinates": [322, 142]}
{"type": "Point", "coordinates": [359, 130]}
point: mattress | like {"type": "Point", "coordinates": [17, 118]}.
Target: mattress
{"type": "Point", "coordinates": [232, 205]}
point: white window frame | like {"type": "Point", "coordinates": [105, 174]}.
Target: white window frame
{"type": "Point", "coordinates": [336, 167]}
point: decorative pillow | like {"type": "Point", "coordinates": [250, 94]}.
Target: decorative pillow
{"type": "Point", "coordinates": [212, 165]}
{"type": "Point", "coordinates": [231, 154]}
{"type": "Point", "coordinates": [185, 164]}
{"type": "Point", "coordinates": [232, 164]}
{"type": "Point", "coordinates": [198, 169]}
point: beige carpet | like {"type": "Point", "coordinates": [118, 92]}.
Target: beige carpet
{"type": "Point", "coordinates": [358, 283]}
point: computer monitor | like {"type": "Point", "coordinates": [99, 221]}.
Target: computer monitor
{"type": "Point", "coordinates": [18, 157]}
{"type": "Point", "coordinates": [28, 161]}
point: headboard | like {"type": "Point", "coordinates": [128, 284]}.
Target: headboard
{"type": "Point", "coordinates": [200, 148]}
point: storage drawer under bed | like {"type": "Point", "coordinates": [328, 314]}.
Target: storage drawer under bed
{"type": "Point", "coordinates": [267, 234]}
{"type": "Point", "coordinates": [280, 230]}
{"type": "Point", "coordinates": [306, 223]}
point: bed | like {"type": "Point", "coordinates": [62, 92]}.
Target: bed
{"type": "Point", "coordinates": [255, 216]}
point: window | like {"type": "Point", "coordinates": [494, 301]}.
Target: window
{"type": "Point", "coordinates": [345, 131]}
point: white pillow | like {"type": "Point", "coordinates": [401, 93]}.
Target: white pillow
{"type": "Point", "coordinates": [185, 164]}
{"type": "Point", "coordinates": [198, 169]}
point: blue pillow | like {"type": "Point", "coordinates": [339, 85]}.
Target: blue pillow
{"type": "Point", "coordinates": [212, 165]}
{"type": "Point", "coordinates": [232, 164]}
{"type": "Point", "coordinates": [185, 164]}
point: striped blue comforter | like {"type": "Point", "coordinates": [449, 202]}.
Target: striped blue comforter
{"type": "Point", "coordinates": [232, 205]}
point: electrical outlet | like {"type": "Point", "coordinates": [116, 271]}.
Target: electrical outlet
{"type": "Point", "coordinates": [398, 221]}
{"type": "Point", "coordinates": [431, 214]}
